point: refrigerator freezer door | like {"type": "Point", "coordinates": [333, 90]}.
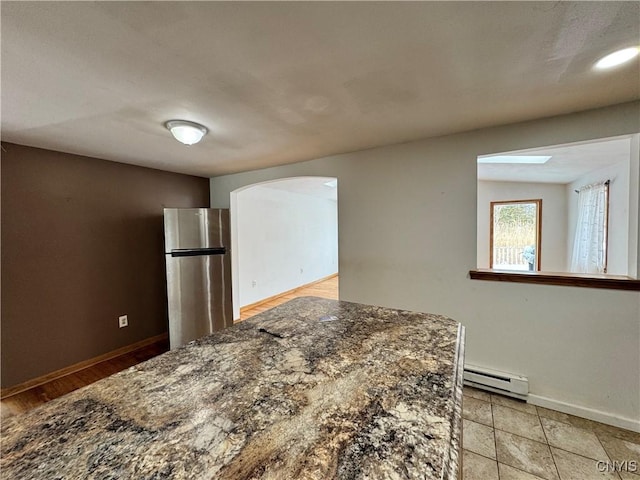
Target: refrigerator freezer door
{"type": "Point", "coordinates": [190, 228]}
{"type": "Point", "coordinates": [198, 290]}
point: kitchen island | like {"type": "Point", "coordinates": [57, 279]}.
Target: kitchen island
{"type": "Point", "coordinates": [312, 389]}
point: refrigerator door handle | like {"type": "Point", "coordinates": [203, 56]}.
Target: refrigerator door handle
{"type": "Point", "coordinates": [195, 252]}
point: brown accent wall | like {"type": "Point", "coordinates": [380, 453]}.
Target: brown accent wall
{"type": "Point", "coordinates": [82, 243]}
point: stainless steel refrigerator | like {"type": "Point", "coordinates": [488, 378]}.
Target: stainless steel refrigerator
{"type": "Point", "coordinates": [197, 252]}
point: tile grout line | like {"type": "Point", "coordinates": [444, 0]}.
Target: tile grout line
{"type": "Point", "coordinates": [511, 433]}
{"type": "Point", "coordinates": [553, 458]}
{"type": "Point", "coordinates": [610, 434]}
{"type": "Point", "coordinates": [607, 453]}
{"type": "Point", "coordinates": [495, 440]}
{"type": "Point", "coordinates": [578, 454]}
{"type": "Point", "coordinates": [539, 418]}
{"type": "Point", "coordinates": [541, 443]}
{"type": "Point", "coordinates": [480, 455]}
{"type": "Point", "coordinates": [613, 435]}
{"type": "Point", "coordinates": [520, 436]}
{"type": "Point", "coordinates": [506, 464]}
{"type": "Point", "coordinates": [564, 422]}
{"type": "Point", "coordinates": [602, 444]}
{"type": "Point", "coordinates": [574, 453]}
{"type": "Point", "coordinates": [531, 440]}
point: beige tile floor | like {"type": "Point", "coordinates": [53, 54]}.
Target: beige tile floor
{"type": "Point", "coordinates": [506, 439]}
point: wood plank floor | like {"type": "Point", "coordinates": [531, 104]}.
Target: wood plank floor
{"type": "Point", "coordinates": [25, 401]}
{"type": "Point", "coordinates": [326, 289]}
{"type": "Point", "coordinates": [29, 399]}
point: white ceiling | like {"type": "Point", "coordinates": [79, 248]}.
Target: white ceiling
{"type": "Point", "coordinates": [567, 162]}
{"type": "Point", "coordinates": [279, 82]}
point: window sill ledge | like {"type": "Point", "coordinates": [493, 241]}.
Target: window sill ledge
{"type": "Point", "coordinates": [615, 282]}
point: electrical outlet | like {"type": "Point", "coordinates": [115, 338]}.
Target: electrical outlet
{"type": "Point", "coordinates": [254, 283]}
{"type": "Point", "coordinates": [123, 321]}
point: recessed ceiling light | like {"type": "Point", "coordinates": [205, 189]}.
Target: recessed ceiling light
{"type": "Point", "coordinates": [186, 132]}
{"type": "Point", "coordinates": [520, 159]}
{"type": "Point", "coordinates": [617, 58]}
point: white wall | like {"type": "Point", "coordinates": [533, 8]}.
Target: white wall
{"type": "Point", "coordinates": [554, 218]}
{"type": "Point", "coordinates": [284, 240]}
{"type": "Point", "coordinates": [618, 248]}
{"type": "Point", "coordinates": [407, 222]}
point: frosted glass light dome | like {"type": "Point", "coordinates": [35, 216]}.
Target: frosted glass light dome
{"type": "Point", "coordinates": [185, 132]}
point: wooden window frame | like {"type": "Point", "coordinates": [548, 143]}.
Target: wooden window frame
{"type": "Point", "coordinates": [538, 202]}
{"type": "Point", "coordinates": [606, 225]}
{"type": "Point", "coordinates": [614, 282]}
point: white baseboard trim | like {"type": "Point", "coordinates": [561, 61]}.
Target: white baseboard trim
{"type": "Point", "coordinates": [588, 413]}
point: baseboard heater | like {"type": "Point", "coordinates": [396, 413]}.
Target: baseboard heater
{"type": "Point", "coordinates": [498, 382]}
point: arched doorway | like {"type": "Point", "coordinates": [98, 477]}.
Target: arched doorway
{"type": "Point", "coordinates": [284, 235]}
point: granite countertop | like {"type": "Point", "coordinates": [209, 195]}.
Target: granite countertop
{"type": "Point", "coordinates": [312, 389]}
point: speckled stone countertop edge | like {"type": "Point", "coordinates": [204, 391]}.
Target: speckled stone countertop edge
{"type": "Point", "coordinates": [452, 470]}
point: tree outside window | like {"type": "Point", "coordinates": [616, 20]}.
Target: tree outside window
{"type": "Point", "coordinates": [515, 235]}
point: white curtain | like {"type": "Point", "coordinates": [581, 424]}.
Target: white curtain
{"type": "Point", "coordinates": [589, 246]}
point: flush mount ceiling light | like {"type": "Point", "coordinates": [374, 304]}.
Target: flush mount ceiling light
{"type": "Point", "coordinates": [186, 132]}
{"type": "Point", "coordinates": [617, 58]}
{"type": "Point", "coordinates": [518, 159]}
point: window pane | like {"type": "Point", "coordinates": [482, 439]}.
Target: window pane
{"type": "Point", "coordinates": [514, 241]}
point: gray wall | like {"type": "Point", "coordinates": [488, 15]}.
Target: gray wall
{"type": "Point", "coordinates": [82, 243]}
{"type": "Point", "coordinates": [553, 255]}
{"type": "Point", "coordinates": [407, 239]}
